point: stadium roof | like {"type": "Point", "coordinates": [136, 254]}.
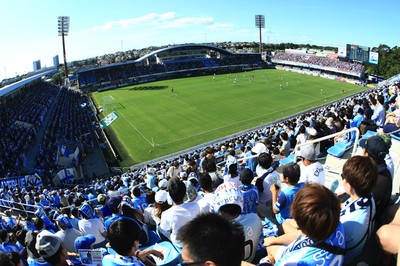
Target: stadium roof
{"type": "Point", "coordinates": [172, 48]}
{"type": "Point", "coordinates": [184, 46]}
{"type": "Point", "coordinates": [9, 88]}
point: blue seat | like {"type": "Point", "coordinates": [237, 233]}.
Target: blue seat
{"type": "Point", "coordinates": [366, 135]}
{"type": "Point", "coordinates": [171, 253]}
{"type": "Point", "coordinates": [287, 160]}
{"type": "Point", "coordinates": [339, 148]}
{"type": "Point", "coordinates": [393, 136]}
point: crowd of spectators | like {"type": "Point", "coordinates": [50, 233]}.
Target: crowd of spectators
{"type": "Point", "coordinates": [182, 192]}
{"type": "Point", "coordinates": [326, 62]}
{"type": "Point", "coordinates": [107, 75]}
{"type": "Point", "coordinates": [21, 119]}
{"type": "Point", "coordinates": [68, 122]}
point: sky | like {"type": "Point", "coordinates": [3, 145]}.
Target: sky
{"type": "Point", "coordinates": [29, 30]}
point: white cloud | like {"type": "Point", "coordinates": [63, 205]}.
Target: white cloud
{"type": "Point", "coordinates": [221, 27]}
{"type": "Point", "coordinates": [165, 20]}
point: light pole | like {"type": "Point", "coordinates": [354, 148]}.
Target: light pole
{"type": "Point", "coordinates": [63, 28]}
{"type": "Point", "coordinates": [260, 24]}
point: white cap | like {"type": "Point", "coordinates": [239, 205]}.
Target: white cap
{"type": "Point", "coordinates": [161, 196]}
{"type": "Point", "coordinates": [162, 184]}
{"type": "Point", "coordinates": [227, 193]}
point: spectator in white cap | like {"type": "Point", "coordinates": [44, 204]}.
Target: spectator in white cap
{"type": "Point", "coordinates": [311, 170]}
{"type": "Point", "coordinates": [228, 201]}
{"type": "Point", "coordinates": [160, 205]}
{"type": "Point", "coordinates": [51, 248]}
{"type": "Point", "coordinates": [162, 184]}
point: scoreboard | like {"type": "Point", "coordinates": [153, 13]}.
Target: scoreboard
{"type": "Point", "coordinates": [357, 52]}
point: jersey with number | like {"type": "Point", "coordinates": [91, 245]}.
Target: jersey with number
{"type": "Point", "coordinates": [313, 173]}
{"type": "Point", "coordinates": [301, 251]}
{"type": "Point", "coordinates": [356, 217]}
{"type": "Point", "coordinates": [140, 203]}
{"type": "Point", "coordinates": [250, 198]}
{"type": "Point", "coordinates": [252, 228]}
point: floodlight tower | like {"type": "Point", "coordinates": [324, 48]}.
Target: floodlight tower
{"type": "Point", "coordinates": [260, 24]}
{"type": "Point", "coordinates": [63, 28]}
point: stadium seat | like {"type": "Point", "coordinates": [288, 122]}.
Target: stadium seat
{"type": "Point", "coordinates": [395, 137]}
{"type": "Point", "coordinates": [367, 134]}
{"type": "Point", "coordinates": [171, 255]}
{"type": "Point", "coordinates": [339, 148]}
{"type": "Point", "coordinates": [287, 160]}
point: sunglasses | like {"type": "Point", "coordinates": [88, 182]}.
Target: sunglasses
{"type": "Point", "coordinates": [184, 263]}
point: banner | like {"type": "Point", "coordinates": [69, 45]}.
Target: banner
{"type": "Point", "coordinates": [109, 119]}
{"type": "Point", "coordinates": [64, 150]}
{"type": "Point", "coordinates": [22, 181]}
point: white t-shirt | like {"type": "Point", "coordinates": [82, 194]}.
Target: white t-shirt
{"type": "Point", "coordinates": [252, 228]}
{"type": "Point", "coordinates": [173, 172]}
{"type": "Point", "coordinates": [313, 173]}
{"type": "Point", "coordinates": [68, 238]}
{"type": "Point", "coordinates": [206, 202]}
{"type": "Point", "coordinates": [177, 216]}
{"type": "Point", "coordinates": [272, 178]}
{"type": "Point", "coordinates": [228, 178]}
{"type": "Point", "coordinates": [94, 227]}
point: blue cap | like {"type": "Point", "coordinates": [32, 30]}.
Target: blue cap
{"type": "Point", "coordinates": [84, 242]}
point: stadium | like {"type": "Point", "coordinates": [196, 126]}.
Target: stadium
{"type": "Point", "coordinates": [187, 111]}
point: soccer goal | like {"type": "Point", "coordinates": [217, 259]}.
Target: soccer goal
{"type": "Point", "coordinates": [108, 103]}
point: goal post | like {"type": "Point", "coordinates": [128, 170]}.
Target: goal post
{"type": "Point", "coordinates": [108, 102]}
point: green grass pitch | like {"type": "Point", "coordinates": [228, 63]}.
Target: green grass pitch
{"type": "Point", "coordinates": [159, 118]}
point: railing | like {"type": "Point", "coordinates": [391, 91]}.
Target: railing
{"type": "Point", "coordinates": [315, 141]}
{"type": "Point", "coordinates": [23, 205]}
{"type": "Point", "coordinates": [308, 142]}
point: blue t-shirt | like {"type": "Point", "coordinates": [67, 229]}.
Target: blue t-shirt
{"type": "Point", "coordinates": [250, 198]}
{"type": "Point", "coordinates": [301, 251]}
{"type": "Point", "coordinates": [140, 203]}
{"type": "Point", "coordinates": [113, 218]}
{"type": "Point", "coordinates": [105, 210]}
{"type": "Point", "coordinates": [285, 200]}
{"type": "Point", "coordinates": [38, 262]}
{"type": "Point", "coordinates": [115, 260]}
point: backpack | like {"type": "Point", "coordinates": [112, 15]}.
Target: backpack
{"type": "Point", "coordinates": [260, 181]}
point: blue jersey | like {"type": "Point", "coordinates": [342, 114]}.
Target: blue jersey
{"type": "Point", "coordinates": [38, 262]}
{"type": "Point", "coordinates": [116, 260]}
{"type": "Point", "coordinates": [113, 218]}
{"type": "Point", "coordinates": [140, 203]}
{"type": "Point", "coordinates": [250, 198]}
{"type": "Point", "coordinates": [302, 252]}
{"type": "Point", "coordinates": [357, 218]}
{"type": "Point", "coordinates": [284, 202]}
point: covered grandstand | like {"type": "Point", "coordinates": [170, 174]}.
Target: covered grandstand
{"type": "Point", "coordinates": [172, 62]}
